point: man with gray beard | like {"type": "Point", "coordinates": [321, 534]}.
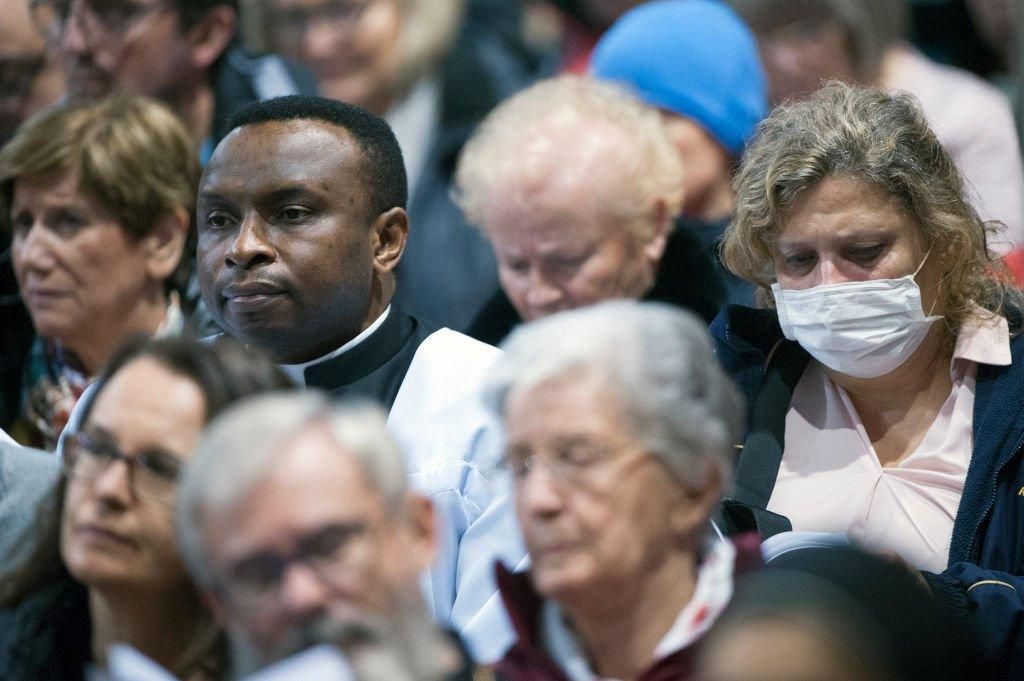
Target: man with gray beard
{"type": "Point", "coordinates": [340, 567]}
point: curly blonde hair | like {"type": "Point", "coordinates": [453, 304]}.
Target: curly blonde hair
{"type": "Point", "coordinates": [875, 137]}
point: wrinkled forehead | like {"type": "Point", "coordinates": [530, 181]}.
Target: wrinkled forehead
{"type": "Point", "coordinates": [310, 466]}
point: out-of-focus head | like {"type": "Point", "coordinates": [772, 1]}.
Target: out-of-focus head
{"type": "Point", "coordinates": [281, 573]}
{"type": "Point", "coordinates": [850, 185]}
{"type": "Point", "coordinates": [29, 78]}
{"type": "Point", "coordinates": [576, 184]}
{"type": "Point", "coordinates": [365, 52]}
{"type": "Point", "coordinates": [805, 43]}
{"type": "Point", "coordinates": [122, 464]}
{"type": "Point", "coordinates": [620, 428]}
{"type": "Point", "coordinates": [690, 58]}
{"type": "Point", "coordinates": [97, 199]}
{"type": "Point", "coordinates": [301, 220]}
{"type": "Point", "coordinates": [848, 616]}
{"type": "Point", "coordinates": [159, 48]}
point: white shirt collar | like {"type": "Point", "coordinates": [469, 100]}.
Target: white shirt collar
{"type": "Point", "coordinates": [296, 372]}
{"type": "Point", "coordinates": [984, 338]}
{"type": "Point", "coordinates": [713, 592]}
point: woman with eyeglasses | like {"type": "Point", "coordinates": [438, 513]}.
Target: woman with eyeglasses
{"type": "Point", "coordinates": [105, 566]}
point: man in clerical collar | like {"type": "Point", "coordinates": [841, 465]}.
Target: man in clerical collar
{"type": "Point", "coordinates": [302, 221]}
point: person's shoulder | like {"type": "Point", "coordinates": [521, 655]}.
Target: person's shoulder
{"type": "Point", "coordinates": [740, 330]}
{"type": "Point", "coordinates": [23, 469]}
{"type": "Point", "coordinates": [460, 347]}
{"type": "Point", "coordinates": [450, 348]}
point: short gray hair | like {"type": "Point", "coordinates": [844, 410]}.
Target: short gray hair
{"type": "Point", "coordinates": [241, 446]}
{"type": "Point", "coordinates": [597, 124]}
{"type": "Point", "coordinates": [660, 365]}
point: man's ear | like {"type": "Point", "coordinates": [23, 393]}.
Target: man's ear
{"type": "Point", "coordinates": [422, 526]}
{"type": "Point", "coordinates": [654, 248]}
{"type": "Point", "coordinates": [165, 244]}
{"type": "Point", "coordinates": [390, 232]}
{"type": "Point", "coordinates": [210, 36]}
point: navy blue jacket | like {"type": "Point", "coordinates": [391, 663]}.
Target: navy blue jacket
{"type": "Point", "coordinates": [983, 581]}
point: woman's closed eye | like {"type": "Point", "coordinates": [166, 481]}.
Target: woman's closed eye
{"type": "Point", "coordinates": [865, 254]}
{"type": "Point", "coordinates": [799, 261]}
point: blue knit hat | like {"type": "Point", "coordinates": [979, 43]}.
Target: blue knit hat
{"type": "Point", "coordinates": [695, 58]}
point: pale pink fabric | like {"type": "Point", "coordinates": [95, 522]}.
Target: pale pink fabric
{"type": "Point", "coordinates": [974, 122]}
{"type": "Point", "coordinates": [830, 479]}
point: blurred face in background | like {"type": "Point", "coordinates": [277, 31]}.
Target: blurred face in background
{"type": "Point", "coordinates": [133, 46]}
{"type": "Point", "coordinates": [800, 56]}
{"type": "Point", "coordinates": [352, 46]}
{"type": "Point", "coordinates": [117, 528]}
{"type": "Point", "coordinates": [707, 192]}
{"type": "Point", "coordinates": [29, 79]}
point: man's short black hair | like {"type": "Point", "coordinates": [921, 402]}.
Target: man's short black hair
{"type": "Point", "coordinates": [384, 171]}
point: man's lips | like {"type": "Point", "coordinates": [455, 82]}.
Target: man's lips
{"type": "Point", "coordinates": [250, 291]}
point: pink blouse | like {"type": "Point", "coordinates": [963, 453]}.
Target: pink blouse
{"type": "Point", "coordinates": [830, 479]}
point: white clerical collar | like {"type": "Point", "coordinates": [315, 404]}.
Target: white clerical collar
{"type": "Point", "coordinates": [296, 372]}
{"type": "Point", "coordinates": [713, 592]}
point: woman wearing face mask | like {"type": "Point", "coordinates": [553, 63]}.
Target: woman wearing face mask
{"type": "Point", "coordinates": [886, 379]}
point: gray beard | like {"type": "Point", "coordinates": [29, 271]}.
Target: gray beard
{"type": "Point", "coordinates": [405, 646]}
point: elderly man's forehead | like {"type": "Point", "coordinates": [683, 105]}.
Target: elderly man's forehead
{"type": "Point", "coordinates": [309, 464]}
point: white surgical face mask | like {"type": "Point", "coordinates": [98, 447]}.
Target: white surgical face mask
{"type": "Point", "coordinates": [863, 329]}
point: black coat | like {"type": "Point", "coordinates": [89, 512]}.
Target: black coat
{"type": "Point", "coordinates": [48, 636]}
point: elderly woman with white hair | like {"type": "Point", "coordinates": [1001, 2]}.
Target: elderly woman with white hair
{"type": "Point", "coordinates": [579, 189]}
{"type": "Point", "coordinates": [620, 426]}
